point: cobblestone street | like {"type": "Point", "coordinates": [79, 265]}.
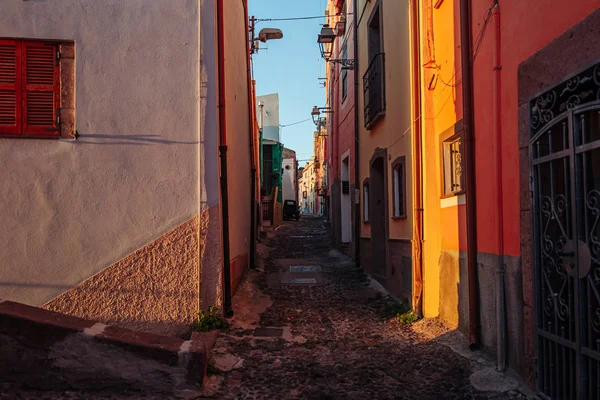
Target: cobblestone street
{"type": "Point", "coordinates": [309, 325]}
{"type": "Point", "coordinates": [327, 333]}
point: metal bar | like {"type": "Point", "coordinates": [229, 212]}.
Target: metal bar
{"type": "Point", "coordinates": [576, 235]}
{"type": "Point", "coordinates": [551, 157]}
{"type": "Point", "coordinates": [588, 147]}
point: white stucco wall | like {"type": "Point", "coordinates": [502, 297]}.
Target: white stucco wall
{"type": "Point", "coordinates": [269, 117]}
{"type": "Point", "coordinates": [289, 179]}
{"type": "Point", "coordinates": [69, 209]}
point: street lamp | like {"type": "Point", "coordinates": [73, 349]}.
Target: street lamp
{"type": "Point", "coordinates": [316, 115]}
{"type": "Point", "coordinates": [325, 41]}
{"type": "Point", "coordinates": [264, 35]}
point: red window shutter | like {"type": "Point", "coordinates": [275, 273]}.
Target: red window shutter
{"type": "Point", "coordinates": [10, 87]}
{"type": "Point", "coordinates": [40, 86]}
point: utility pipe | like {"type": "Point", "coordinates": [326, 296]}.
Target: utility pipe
{"type": "Point", "coordinates": [418, 161]}
{"type": "Point", "coordinates": [497, 100]}
{"type": "Point", "coordinates": [357, 226]}
{"type": "Point", "coordinates": [469, 141]}
{"type": "Point", "coordinates": [251, 114]}
{"type": "Point", "coordinates": [223, 157]}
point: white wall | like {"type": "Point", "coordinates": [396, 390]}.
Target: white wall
{"type": "Point", "coordinates": [69, 209]}
{"type": "Point", "coordinates": [269, 117]}
{"type": "Point", "coordinates": [289, 179]}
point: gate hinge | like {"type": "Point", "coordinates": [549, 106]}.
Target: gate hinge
{"type": "Point", "coordinates": [531, 185]}
{"type": "Point", "coordinates": [58, 116]}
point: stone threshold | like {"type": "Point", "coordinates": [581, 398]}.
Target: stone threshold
{"type": "Point", "coordinates": [46, 350]}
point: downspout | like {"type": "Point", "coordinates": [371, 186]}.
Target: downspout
{"type": "Point", "coordinates": [252, 155]}
{"type": "Point", "coordinates": [357, 226]}
{"type": "Point", "coordinates": [468, 135]}
{"type": "Point", "coordinates": [500, 300]}
{"type": "Point", "coordinates": [418, 163]}
{"type": "Point", "coordinates": [223, 156]}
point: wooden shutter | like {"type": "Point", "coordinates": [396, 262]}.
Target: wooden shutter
{"type": "Point", "coordinates": [10, 87]}
{"type": "Point", "coordinates": [40, 85]}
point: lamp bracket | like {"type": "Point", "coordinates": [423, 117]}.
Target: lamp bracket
{"type": "Point", "coordinates": [348, 64]}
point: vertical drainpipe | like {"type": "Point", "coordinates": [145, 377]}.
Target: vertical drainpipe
{"type": "Point", "coordinates": [223, 156]}
{"type": "Point", "coordinates": [418, 163]}
{"type": "Point", "coordinates": [356, 139]}
{"type": "Point", "coordinates": [500, 300]}
{"type": "Point", "coordinates": [251, 137]}
{"type": "Point", "coordinates": [469, 146]}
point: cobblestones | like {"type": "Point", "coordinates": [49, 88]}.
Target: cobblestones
{"type": "Point", "coordinates": [335, 340]}
{"type": "Point", "coordinates": [343, 343]}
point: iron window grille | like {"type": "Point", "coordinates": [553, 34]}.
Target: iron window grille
{"type": "Point", "coordinates": [452, 166]}
{"type": "Point", "coordinates": [374, 90]}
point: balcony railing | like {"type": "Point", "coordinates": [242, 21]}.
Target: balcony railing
{"type": "Point", "coordinates": [374, 90]}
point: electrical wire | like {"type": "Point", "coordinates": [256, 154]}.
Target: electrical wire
{"type": "Point", "coordinates": [296, 123]}
{"type": "Point", "coordinates": [295, 18]}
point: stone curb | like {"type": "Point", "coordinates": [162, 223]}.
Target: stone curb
{"type": "Point", "coordinates": [49, 350]}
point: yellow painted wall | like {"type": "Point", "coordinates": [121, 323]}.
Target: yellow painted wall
{"type": "Point", "coordinates": [394, 130]}
{"type": "Point", "coordinates": [441, 100]}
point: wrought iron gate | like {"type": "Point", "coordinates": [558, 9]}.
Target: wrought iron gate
{"type": "Point", "coordinates": [565, 165]}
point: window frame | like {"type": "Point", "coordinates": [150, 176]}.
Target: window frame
{"type": "Point", "coordinates": [449, 137]}
{"type": "Point", "coordinates": [344, 72]}
{"type": "Point", "coordinates": [399, 188]}
{"type": "Point", "coordinates": [366, 194]}
{"type": "Point", "coordinates": [22, 129]}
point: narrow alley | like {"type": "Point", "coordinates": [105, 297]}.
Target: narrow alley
{"type": "Point", "coordinates": [312, 326]}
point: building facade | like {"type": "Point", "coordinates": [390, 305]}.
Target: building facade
{"type": "Point", "coordinates": [111, 199]}
{"type": "Point", "coordinates": [341, 125]}
{"type": "Point", "coordinates": [477, 138]}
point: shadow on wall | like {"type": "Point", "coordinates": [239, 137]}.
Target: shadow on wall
{"type": "Point", "coordinates": [136, 140]}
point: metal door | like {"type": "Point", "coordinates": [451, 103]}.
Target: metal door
{"type": "Point", "coordinates": [565, 166]}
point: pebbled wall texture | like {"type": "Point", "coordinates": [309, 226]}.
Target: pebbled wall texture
{"type": "Point", "coordinates": [153, 289]}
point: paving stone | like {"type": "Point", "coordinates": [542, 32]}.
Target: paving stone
{"type": "Point", "coordinates": [343, 344]}
{"type": "Point", "coordinates": [298, 281]}
{"type": "Point", "coordinates": [305, 268]}
{"type": "Point", "coordinates": [268, 332]}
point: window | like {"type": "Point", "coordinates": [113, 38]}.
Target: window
{"type": "Point", "coordinates": [399, 184]}
{"type": "Point", "coordinates": [452, 165]}
{"type": "Point", "coordinates": [344, 72]}
{"type": "Point", "coordinates": [29, 88]}
{"type": "Point", "coordinates": [366, 213]}
{"type": "Point", "coordinates": [374, 77]}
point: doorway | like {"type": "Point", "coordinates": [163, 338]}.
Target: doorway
{"type": "Point", "coordinates": [345, 201]}
{"type": "Point", "coordinates": [565, 168]}
{"type": "Point", "coordinates": [378, 213]}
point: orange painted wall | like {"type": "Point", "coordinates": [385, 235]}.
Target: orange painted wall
{"type": "Point", "coordinates": [527, 26]}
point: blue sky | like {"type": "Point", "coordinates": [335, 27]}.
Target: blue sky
{"type": "Point", "coordinates": [291, 67]}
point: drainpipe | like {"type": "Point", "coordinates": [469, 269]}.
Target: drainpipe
{"type": "Point", "coordinates": [418, 163]}
{"type": "Point", "coordinates": [223, 156]}
{"type": "Point", "coordinates": [252, 155]}
{"type": "Point", "coordinates": [500, 306]}
{"type": "Point", "coordinates": [469, 139]}
{"type": "Point", "coordinates": [357, 226]}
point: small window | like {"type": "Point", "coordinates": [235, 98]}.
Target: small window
{"type": "Point", "coordinates": [344, 72]}
{"type": "Point", "coordinates": [30, 93]}
{"type": "Point", "coordinates": [399, 185]}
{"type": "Point", "coordinates": [452, 165]}
{"type": "Point", "coordinates": [366, 213]}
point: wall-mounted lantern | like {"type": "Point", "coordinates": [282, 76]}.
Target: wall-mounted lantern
{"type": "Point", "coordinates": [325, 41]}
{"type": "Point", "coordinates": [316, 115]}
